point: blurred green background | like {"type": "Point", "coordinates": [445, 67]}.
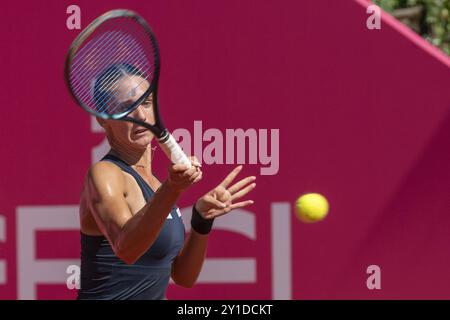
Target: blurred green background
{"type": "Point", "coordinates": [429, 18]}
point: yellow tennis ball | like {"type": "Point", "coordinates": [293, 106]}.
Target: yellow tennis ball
{"type": "Point", "coordinates": [312, 207]}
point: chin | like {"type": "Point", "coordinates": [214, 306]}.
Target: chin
{"type": "Point", "coordinates": [142, 142]}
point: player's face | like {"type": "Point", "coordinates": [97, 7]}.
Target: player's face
{"type": "Point", "coordinates": [129, 89]}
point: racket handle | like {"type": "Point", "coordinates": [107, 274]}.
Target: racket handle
{"type": "Point", "coordinates": [173, 150]}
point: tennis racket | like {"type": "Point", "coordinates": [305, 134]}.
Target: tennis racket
{"type": "Point", "coordinates": [112, 67]}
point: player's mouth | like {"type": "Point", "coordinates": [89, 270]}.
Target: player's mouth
{"type": "Point", "coordinates": [140, 131]}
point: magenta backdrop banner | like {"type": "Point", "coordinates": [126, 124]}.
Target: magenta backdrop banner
{"type": "Point", "coordinates": [330, 106]}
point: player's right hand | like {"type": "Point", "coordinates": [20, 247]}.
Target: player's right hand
{"type": "Point", "coordinates": [180, 177]}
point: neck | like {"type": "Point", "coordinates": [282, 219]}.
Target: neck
{"type": "Point", "coordinates": [136, 157]}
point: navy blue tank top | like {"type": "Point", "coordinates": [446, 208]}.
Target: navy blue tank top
{"type": "Point", "coordinates": [105, 277]}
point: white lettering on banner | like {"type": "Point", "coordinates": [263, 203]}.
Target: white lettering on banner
{"type": "Point", "coordinates": [3, 271]}
{"type": "Point", "coordinates": [228, 270]}
{"type": "Point", "coordinates": [243, 270]}
{"type": "Point", "coordinates": [281, 251]}
{"type": "Point", "coordinates": [32, 271]}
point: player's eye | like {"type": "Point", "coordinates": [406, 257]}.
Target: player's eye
{"type": "Point", "coordinates": [147, 103]}
{"type": "Point", "coordinates": [122, 107]}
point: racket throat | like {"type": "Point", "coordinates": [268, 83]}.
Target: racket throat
{"type": "Point", "coordinates": [163, 136]}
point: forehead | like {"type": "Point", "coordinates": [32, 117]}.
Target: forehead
{"type": "Point", "coordinates": [129, 88]}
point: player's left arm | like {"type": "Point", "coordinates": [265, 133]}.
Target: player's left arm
{"type": "Point", "coordinates": [219, 201]}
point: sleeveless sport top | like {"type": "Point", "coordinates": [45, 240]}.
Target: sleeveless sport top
{"type": "Point", "coordinates": [105, 276]}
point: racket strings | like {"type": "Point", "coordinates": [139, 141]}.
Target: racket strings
{"type": "Point", "coordinates": [91, 64]}
{"type": "Point", "coordinates": [119, 55]}
{"type": "Point", "coordinates": [89, 49]}
{"type": "Point", "coordinates": [111, 85]}
{"type": "Point", "coordinates": [119, 105]}
{"type": "Point", "coordinates": [83, 68]}
{"type": "Point", "coordinates": [142, 71]}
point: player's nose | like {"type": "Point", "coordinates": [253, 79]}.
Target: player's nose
{"type": "Point", "coordinates": [140, 114]}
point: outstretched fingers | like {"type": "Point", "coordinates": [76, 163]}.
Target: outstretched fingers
{"type": "Point", "coordinates": [242, 192]}
{"type": "Point", "coordinates": [217, 213]}
{"type": "Point", "coordinates": [230, 177]}
{"type": "Point", "coordinates": [239, 185]}
{"type": "Point", "coordinates": [241, 204]}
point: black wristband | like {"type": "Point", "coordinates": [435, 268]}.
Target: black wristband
{"type": "Point", "coordinates": [200, 224]}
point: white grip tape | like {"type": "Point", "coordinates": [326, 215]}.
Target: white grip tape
{"type": "Point", "coordinates": [173, 150]}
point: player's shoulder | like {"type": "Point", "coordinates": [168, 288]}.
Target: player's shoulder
{"type": "Point", "coordinates": [105, 173]}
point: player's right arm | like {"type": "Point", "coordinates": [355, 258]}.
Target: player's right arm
{"type": "Point", "coordinates": [130, 235]}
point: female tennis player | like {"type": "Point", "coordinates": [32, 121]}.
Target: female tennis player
{"type": "Point", "coordinates": [132, 236]}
